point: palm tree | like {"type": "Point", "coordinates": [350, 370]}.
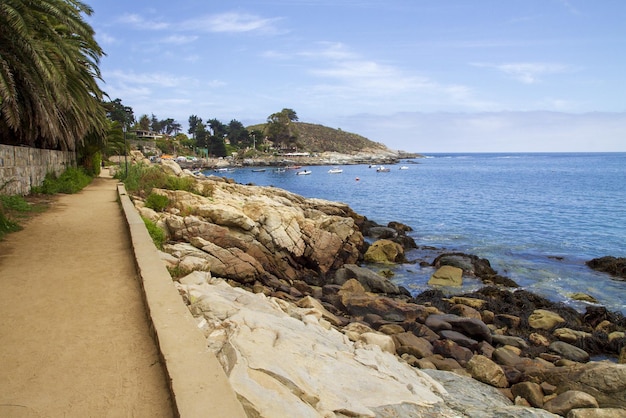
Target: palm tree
{"type": "Point", "coordinates": [49, 96]}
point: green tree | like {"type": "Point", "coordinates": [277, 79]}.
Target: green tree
{"type": "Point", "coordinates": [280, 128]}
{"type": "Point", "coordinates": [144, 123]}
{"type": "Point", "coordinates": [116, 111]}
{"type": "Point", "coordinates": [193, 121]}
{"type": "Point", "coordinates": [238, 134]}
{"type": "Point", "coordinates": [202, 137]}
{"type": "Point", "coordinates": [155, 124]}
{"type": "Point", "coordinates": [115, 144]}
{"type": "Point", "coordinates": [49, 96]}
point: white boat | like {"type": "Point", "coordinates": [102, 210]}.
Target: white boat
{"type": "Point", "coordinates": [382, 169]}
{"type": "Point", "coordinates": [303, 173]}
{"type": "Point", "coordinates": [335, 171]}
{"type": "Point", "coordinates": [280, 170]}
{"type": "Point", "coordinates": [404, 167]}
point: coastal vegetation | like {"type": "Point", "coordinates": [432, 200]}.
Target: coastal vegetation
{"type": "Point", "coordinates": [70, 181]}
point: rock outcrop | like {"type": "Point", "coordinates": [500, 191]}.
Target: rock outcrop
{"type": "Point", "coordinates": [249, 233]}
{"type": "Point", "coordinates": [615, 266]}
{"type": "Point", "coordinates": [303, 330]}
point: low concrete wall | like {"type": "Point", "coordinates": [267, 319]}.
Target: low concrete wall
{"type": "Point", "coordinates": [198, 383]}
{"type": "Point", "coordinates": [22, 168]}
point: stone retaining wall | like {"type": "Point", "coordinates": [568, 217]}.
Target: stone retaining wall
{"type": "Point", "coordinates": [22, 168]}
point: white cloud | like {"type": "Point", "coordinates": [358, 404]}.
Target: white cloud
{"type": "Point", "coordinates": [526, 72]}
{"type": "Point", "coordinates": [344, 73]}
{"type": "Point", "coordinates": [140, 22]}
{"type": "Point", "coordinates": [231, 22]}
{"type": "Point", "coordinates": [154, 79]}
{"type": "Point", "coordinates": [179, 39]}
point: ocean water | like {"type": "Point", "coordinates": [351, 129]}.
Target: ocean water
{"type": "Point", "coordinates": [536, 217]}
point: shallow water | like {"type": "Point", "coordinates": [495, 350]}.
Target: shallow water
{"type": "Point", "coordinates": [536, 217]}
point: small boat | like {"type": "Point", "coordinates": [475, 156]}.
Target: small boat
{"type": "Point", "coordinates": [382, 169]}
{"type": "Point", "coordinates": [279, 170]}
{"type": "Point", "coordinates": [404, 167]}
{"type": "Point", "coordinates": [335, 171]}
{"type": "Point", "coordinates": [293, 167]}
{"type": "Point", "coordinates": [258, 170]}
{"type": "Point", "coordinates": [303, 173]}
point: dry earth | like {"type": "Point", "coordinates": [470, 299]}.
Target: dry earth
{"type": "Point", "coordinates": [74, 334]}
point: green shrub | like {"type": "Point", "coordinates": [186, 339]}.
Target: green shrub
{"type": "Point", "coordinates": [70, 181]}
{"type": "Point", "coordinates": [11, 204]}
{"type": "Point", "coordinates": [6, 224]}
{"type": "Point", "coordinates": [15, 203]}
{"type": "Point", "coordinates": [157, 202]}
{"type": "Point", "coordinates": [180, 183]}
{"type": "Point", "coordinates": [156, 233]}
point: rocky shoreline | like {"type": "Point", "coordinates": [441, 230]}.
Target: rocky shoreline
{"type": "Point", "coordinates": [278, 284]}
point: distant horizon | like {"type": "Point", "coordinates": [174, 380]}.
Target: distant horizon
{"type": "Point", "coordinates": [454, 76]}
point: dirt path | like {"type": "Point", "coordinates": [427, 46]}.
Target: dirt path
{"type": "Point", "coordinates": [74, 337]}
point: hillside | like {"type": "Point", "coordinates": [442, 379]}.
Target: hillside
{"type": "Point", "coordinates": [319, 138]}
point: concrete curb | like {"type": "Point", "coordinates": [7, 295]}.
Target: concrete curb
{"type": "Point", "coordinates": [198, 384]}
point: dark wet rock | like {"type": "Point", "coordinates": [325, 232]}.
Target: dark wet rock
{"type": "Point", "coordinates": [449, 348]}
{"type": "Point", "coordinates": [609, 264]}
{"type": "Point", "coordinates": [381, 232]}
{"type": "Point", "coordinates": [473, 266]}
{"type": "Point", "coordinates": [399, 227]}
{"type": "Point", "coordinates": [460, 339]}
{"type": "Point", "coordinates": [508, 321]}
{"type": "Point", "coordinates": [423, 331]}
{"type": "Point", "coordinates": [405, 241]}
{"type": "Point", "coordinates": [471, 327]}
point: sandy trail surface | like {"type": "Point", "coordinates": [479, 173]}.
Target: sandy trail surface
{"type": "Point", "coordinates": [74, 333]}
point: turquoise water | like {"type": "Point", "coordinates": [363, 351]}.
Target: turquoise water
{"type": "Point", "coordinates": [536, 217]}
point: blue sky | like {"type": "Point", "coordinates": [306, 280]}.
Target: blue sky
{"type": "Point", "coordinates": [416, 75]}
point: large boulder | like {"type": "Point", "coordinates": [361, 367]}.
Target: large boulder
{"type": "Point", "coordinates": [371, 281]}
{"type": "Point", "coordinates": [357, 302]}
{"type": "Point", "coordinates": [385, 251]}
{"type": "Point", "coordinates": [572, 399]}
{"type": "Point", "coordinates": [446, 276]}
{"type": "Point", "coordinates": [485, 370]}
{"type": "Point", "coordinates": [544, 319]}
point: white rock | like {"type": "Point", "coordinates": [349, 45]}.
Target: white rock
{"type": "Point", "coordinates": [284, 366]}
